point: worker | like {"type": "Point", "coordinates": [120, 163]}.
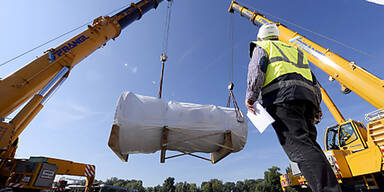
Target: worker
{"type": "Point", "coordinates": [280, 78]}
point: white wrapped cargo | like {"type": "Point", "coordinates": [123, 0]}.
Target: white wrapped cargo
{"type": "Point", "coordinates": [140, 120]}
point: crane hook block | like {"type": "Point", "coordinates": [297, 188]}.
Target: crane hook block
{"type": "Point", "coordinates": [163, 57]}
{"type": "Point", "coordinates": [230, 86]}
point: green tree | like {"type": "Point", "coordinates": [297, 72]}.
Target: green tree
{"type": "Point", "coordinates": [217, 185]}
{"type": "Point", "coordinates": [135, 184]}
{"type": "Point", "coordinates": [182, 187]}
{"type": "Point", "coordinates": [272, 179]}
{"type": "Point", "coordinates": [240, 187]}
{"type": "Point", "coordinates": [121, 183]}
{"type": "Point", "coordinates": [157, 188]}
{"type": "Point", "coordinates": [194, 188]}
{"type": "Point", "coordinates": [250, 185]}
{"type": "Point", "coordinates": [179, 187]}
{"type": "Point", "coordinates": [206, 187]}
{"type": "Point", "coordinates": [271, 182]}
{"type": "Point", "coordinates": [168, 185]}
{"type": "Point", "coordinates": [111, 181]}
{"type": "Point", "coordinates": [259, 186]}
{"type": "Point", "coordinates": [229, 187]}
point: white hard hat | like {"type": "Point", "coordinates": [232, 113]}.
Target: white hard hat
{"type": "Point", "coordinates": [268, 31]}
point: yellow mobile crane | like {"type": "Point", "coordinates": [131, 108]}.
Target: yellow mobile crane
{"type": "Point", "coordinates": [35, 82]}
{"type": "Point", "coordinates": [355, 151]}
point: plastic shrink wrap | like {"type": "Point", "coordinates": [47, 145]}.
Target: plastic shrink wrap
{"type": "Point", "coordinates": [139, 122]}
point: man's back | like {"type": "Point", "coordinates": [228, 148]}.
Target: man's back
{"type": "Point", "coordinates": [287, 73]}
{"type": "Point", "coordinates": [282, 75]}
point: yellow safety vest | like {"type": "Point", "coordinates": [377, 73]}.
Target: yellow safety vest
{"type": "Point", "coordinates": [283, 59]}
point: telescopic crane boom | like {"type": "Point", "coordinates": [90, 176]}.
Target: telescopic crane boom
{"type": "Point", "coordinates": [347, 73]}
{"type": "Point", "coordinates": [331, 106]}
{"type": "Point", "coordinates": [37, 80]}
{"type": "Point", "coordinates": [354, 151]}
{"type": "Point", "coordinates": [46, 73]}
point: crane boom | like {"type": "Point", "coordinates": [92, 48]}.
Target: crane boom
{"type": "Point", "coordinates": [355, 152]}
{"type": "Point", "coordinates": [331, 106]}
{"type": "Point", "coordinates": [36, 81]}
{"type": "Point", "coordinates": [20, 86]}
{"type": "Point", "coordinates": [43, 75]}
{"type": "Point", "coordinates": [348, 74]}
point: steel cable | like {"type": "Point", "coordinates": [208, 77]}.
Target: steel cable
{"type": "Point", "coordinates": [320, 35]}
{"type": "Point", "coordinates": [58, 37]}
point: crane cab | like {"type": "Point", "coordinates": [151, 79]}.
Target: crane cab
{"type": "Point", "coordinates": [351, 151]}
{"type": "Point", "coordinates": [350, 136]}
{"type": "Point", "coordinates": [341, 141]}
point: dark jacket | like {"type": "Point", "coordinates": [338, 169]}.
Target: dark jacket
{"type": "Point", "coordinates": [294, 92]}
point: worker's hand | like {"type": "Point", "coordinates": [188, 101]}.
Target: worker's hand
{"type": "Point", "coordinates": [249, 105]}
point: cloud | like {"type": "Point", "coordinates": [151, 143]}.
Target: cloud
{"type": "Point", "coordinates": [380, 2]}
{"type": "Point", "coordinates": [193, 48]}
{"type": "Point", "coordinates": [93, 75]}
{"type": "Point", "coordinates": [133, 69]}
{"type": "Point", "coordinates": [71, 111]}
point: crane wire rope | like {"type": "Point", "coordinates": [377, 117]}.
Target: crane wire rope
{"type": "Point", "coordinates": [231, 96]}
{"type": "Point", "coordinates": [52, 40]}
{"type": "Point", "coordinates": [320, 35]}
{"type": "Point", "coordinates": [167, 26]}
{"type": "Point", "coordinates": [58, 37]}
{"type": "Point", "coordinates": [232, 41]}
{"type": "Point", "coordinates": [164, 56]}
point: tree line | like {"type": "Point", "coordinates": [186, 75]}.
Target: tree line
{"type": "Point", "coordinates": [270, 182]}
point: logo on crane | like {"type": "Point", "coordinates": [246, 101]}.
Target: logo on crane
{"type": "Point", "coordinates": [263, 21]}
{"type": "Point", "coordinates": [53, 54]}
{"type": "Point", "coordinates": [304, 46]}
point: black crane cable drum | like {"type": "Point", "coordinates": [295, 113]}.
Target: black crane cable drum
{"type": "Point", "coordinates": [231, 96]}
{"type": "Point", "coordinates": [164, 56]}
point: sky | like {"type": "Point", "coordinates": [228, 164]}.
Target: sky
{"type": "Point", "coordinates": [75, 123]}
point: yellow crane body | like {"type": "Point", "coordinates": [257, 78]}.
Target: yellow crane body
{"type": "Point", "coordinates": [35, 82]}
{"type": "Point", "coordinates": [40, 172]}
{"type": "Point", "coordinates": [331, 106]}
{"type": "Point", "coordinates": [351, 76]}
{"type": "Point", "coordinates": [24, 83]}
{"type": "Point", "coordinates": [354, 151]}
{"type": "Point", "coordinates": [33, 77]}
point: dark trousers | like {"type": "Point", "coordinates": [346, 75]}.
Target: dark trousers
{"type": "Point", "coordinates": [297, 135]}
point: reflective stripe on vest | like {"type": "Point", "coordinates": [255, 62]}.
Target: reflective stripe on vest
{"type": "Point", "coordinates": [283, 59]}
